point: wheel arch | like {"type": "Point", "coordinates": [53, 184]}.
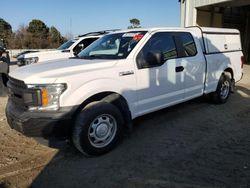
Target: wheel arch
{"type": "Point", "coordinates": [114, 98]}
{"type": "Point", "coordinates": [230, 70]}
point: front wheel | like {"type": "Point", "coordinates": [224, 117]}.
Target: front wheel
{"type": "Point", "coordinates": [223, 90]}
{"type": "Point", "coordinates": [98, 128]}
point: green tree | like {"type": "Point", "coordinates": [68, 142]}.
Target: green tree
{"type": "Point", "coordinates": [39, 34]}
{"type": "Point", "coordinates": [135, 23]}
{"type": "Point", "coordinates": [38, 28]}
{"type": "Point", "coordinates": [55, 37]}
{"type": "Point", "coordinates": [36, 35]}
{"type": "Point", "coordinates": [5, 31]}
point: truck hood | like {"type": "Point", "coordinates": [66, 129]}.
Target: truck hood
{"type": "Point", "coordinates": [49, 72]}
{"type": "Point", "coordinates": [37, 54]}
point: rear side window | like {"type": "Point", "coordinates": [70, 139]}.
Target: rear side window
{"type": "Point", "coordinates": [188, 45]}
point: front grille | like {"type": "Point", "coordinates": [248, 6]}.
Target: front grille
{"type": "Point", "coordinates": [14, 83]}
{"type": "Point", "coordinates": [21, 61]}
{"type": "Point", "coordinates": [21, 95]}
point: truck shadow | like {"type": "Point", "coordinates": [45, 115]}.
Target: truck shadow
{"type": "Point", "coordinates": [192, 142]}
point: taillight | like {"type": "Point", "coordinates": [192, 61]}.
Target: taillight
{"type": "Point", "coordinates": [243, 61]}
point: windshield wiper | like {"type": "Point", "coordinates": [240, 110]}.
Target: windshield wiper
{"type": "Point", "coordinates": [92, 57]}
{"type": "Point", "coordinates": [101, 56]}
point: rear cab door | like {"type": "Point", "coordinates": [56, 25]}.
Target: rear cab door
{"type": "Point", "coordinates": [192, 62]}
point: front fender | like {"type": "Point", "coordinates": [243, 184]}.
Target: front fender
{"type": "Point", "coordinates": [76, 96]}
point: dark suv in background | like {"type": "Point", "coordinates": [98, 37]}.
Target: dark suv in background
{"type": "Point", "coordinates": [4, 68]}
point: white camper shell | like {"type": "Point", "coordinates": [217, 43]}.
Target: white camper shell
{"type": "Point", "coordinates": [217, 40]}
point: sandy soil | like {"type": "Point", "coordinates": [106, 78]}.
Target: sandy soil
{"type": "Point", "coordinates": [194, 144]}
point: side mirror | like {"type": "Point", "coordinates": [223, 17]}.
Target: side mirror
{"type": "Point", "coordinates": [154, 58]}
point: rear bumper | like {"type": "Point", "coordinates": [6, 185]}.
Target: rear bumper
{"type": "Point", "coordinates": [40, 124]}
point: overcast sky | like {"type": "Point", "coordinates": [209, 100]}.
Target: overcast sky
{"type": "Point", "coordinates": [81, 16]}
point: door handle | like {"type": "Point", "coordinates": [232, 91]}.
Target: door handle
{"type": "Point", "coordinates": [179, 69]}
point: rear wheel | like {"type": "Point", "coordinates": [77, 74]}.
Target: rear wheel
{"type": "Point", "coordinates": [98, 128]}
{"type": "Point", "coordinates": [223, 90]}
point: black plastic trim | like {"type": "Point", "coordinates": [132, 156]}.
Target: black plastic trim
{"type": "Point", "coordinates": [21, 94]}
{"type": "Point", "coordinates": [220, 33]}
{"type": "Point", "coordinates": [222, 52]}
{"type": "Point", "coordinates": [40, 123]}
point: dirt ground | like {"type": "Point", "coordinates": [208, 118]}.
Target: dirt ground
{"type": "Point", "coordinates": [194, 144]}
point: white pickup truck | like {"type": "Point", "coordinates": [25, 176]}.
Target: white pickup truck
{"type": "Point", "coordinates": [68, 49]}
{"type": "Point", "coordinates": [123, 75]}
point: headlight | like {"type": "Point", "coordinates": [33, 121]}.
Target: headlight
{"type": "Point", "coordinates": [49, 96]}
{"type": "Point", "coordinates": [31, 60]}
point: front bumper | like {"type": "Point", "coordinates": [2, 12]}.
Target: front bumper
{"type": "Point", "coordinates": [21, 62]}
{"type": "Point", "coordinates": [40, 124]}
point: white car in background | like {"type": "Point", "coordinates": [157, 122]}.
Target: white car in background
{"type": "Point", "coordinates": [69, 49]}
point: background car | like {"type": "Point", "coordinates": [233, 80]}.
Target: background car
{"type": "Point", "coordinates": [4, 68]}
{"type": "Point", "coordinates": [69, 49]}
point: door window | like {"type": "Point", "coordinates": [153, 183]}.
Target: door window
{"type": "Point", "coordinates": [160, 43]}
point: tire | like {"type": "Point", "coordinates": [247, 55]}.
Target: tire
{"type": "Point", "coordinates": [98, 128]}
{"type": "Point", "coordinates": [222, 93]}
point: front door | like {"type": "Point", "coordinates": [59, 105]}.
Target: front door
{"type": "Point", "coordinates": [159, 85]}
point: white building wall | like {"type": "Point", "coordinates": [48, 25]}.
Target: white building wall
{"type": "Point", "coordinates": [189, 12]}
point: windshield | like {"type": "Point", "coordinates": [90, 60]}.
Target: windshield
{"type": "Point", "coordinates": [66, 44]}
{"type": "Point", "coordinates": [113, 46]}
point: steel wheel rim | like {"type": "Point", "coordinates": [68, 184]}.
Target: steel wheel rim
{"type": "Point", "coordinates": [225, 89]}
{"type": "Point", "coordinates": [102, 130]}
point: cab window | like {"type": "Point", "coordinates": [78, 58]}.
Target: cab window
{"type": "Point", "coordinates": [82, 45]}
{"type": "Point", "coordinates": [161, 44]}
{"type": "Point", "coordinates": [187, 45]}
